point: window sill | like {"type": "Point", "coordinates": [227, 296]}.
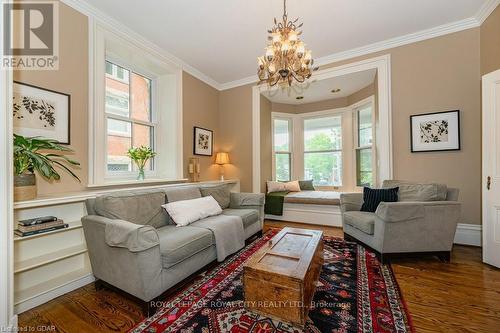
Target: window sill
{"type": "Point", "coordinates": [138, 182]}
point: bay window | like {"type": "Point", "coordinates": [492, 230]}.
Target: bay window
{"type": "Point", "coordinates": [282, 149]}
{"type": "Point", "coordinates": [364, 146]}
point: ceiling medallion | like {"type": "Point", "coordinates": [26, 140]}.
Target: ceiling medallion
{"type": "Point", "coordinates": [286, 59]}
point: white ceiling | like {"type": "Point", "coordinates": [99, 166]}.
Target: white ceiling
{"type": "Point", "coordinates": [317, 91]}
{"type": "Point", "coordinates": [221, 39]}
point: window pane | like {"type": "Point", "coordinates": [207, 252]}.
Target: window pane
{"type": "Point", "coordinates": [323, 134]}
{"type": "Point", "coordinates": [364, 171]}
{"type": "Point", "coordinates": [283, 167]}
{"type": "Point", "coordinates": [365, 134]}
{"type": "Point", "coordinates": [325, 169]}
{"type": "Point", "coordinates": [117, 91]}
{"type": "Point", "coordinates": [119, 141]}
{"type": "Point", "coordinates": [281, 135]}
{"type": "Point", "coordinates": [142, 136]}
{"type": "Point", "coordinates": [141, 97]}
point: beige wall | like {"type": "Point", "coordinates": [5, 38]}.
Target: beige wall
{"type": "Point", "coordinates": [200, 108]}
{"type": "Point", "coordinates": [434, 75]}
{"type": "Point", "coordinates": [71, 78]}
{"type": "Point", "coordinates": [490, 43]}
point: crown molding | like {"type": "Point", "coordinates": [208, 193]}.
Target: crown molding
{"type": "Point", "coordinates": [378, 46]}
{"type": "Point", "coordinates": [87, 9]}
{"type": "Point", "coordinates": [486, 9]}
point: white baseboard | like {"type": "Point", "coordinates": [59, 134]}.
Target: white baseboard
{"type": "Point", "coordinates": [53, 293]}
{"type": "Point", "coordinates": [468, 234]}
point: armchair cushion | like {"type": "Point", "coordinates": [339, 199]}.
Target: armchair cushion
{"type": "Point", "coordinates": [134, 237]}
{"type": "Point", "coordinates": [373, 197]}
{"type": "Point", "coordinates": [410, 191]}
{"type": "Point", "coordinates": [364, 221]}
{"type": "Point", "coordinates": [136, 207]}
{"type": "Point", "coordinates": [220, 193]}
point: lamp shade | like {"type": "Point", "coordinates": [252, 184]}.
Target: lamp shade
{"type": "Point", "coordinates": [222, 158]}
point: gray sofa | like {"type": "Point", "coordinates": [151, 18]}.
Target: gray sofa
{"type": "Point", "coordinates": [424, 220]}
{"type": "Point", "coordinates": [155, 254]}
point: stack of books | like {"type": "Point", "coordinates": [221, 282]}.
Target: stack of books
{"type": "Point", "coordinates": [39, 225]}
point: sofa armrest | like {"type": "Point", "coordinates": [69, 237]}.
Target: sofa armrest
{"type": "Point", "coordinates": [400, 211]}
{"type": "Point", "coordinates": [242, 200]}
{"type": "Point", "coordinates": [138, 273]}
{"type": "Point", "coordinates": [351, 202]}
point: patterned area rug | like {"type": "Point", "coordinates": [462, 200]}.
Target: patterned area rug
{"type": "Point", "coordinates": [354, 294]}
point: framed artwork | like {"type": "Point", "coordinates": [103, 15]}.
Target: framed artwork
{"type": "Point", "coordinates": [203, 141]}
{"type": "Point", "coordinates": [41, 112]}
{"type": "Point", "coordinates": [438, 131]}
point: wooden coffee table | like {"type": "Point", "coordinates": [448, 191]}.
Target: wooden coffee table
{"type": "Point", "coordinates": [280, 279]}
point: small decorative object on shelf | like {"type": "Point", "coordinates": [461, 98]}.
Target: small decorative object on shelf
{"type": "Point", "coordinates": [141, 156]}
{"type": "Point", "coordinates": [28, 159]}
{"type": "Point", "coordinates": [194, 169]}
{"type": "Point", "coordinates": [221, 159]}
{"type": "Point", "coordinates": [39, 225]}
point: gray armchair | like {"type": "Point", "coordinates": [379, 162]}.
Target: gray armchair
{"type": "Point", "coordinates": [423, 221]}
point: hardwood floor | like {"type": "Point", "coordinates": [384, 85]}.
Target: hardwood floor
{"type": "Point", "coordinates": [462, 296]}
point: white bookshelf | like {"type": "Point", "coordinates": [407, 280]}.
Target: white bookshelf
{"type": "Point", "coordinates": [51, 264]}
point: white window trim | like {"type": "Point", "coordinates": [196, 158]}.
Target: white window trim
{"type": "Point", "coordinates": [297, 141]}
{"type": "Point", "coordinates": [291, 135]}
{"type": "Point", "coordinates": [168, 168]}
{"type": "Point", "coordinates": [355, 108]}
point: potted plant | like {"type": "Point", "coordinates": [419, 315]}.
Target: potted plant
{"type": "Point", "coordinates": [141, 155]}
{"type": "Point", "coordinates": [28, 158]}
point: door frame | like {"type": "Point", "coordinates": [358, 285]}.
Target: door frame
{"type": "Point", "coordinates": [488, 98]}
{"type": "Point", "coordinates": [7, 318]}
{"type": "Point", "coordinates": [383, 130]}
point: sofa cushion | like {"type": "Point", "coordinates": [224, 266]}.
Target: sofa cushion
{"type": "Point", "coordinates": [185, 212]}
{"type": "Point", "coordinates": [183, 193]}
{"type": "Point", "coordinates": [249, 216]}
{"type": "Point", "coordinates": [410, 191]}
{"type": "Point", "coordinates": [178, 244]}
{"type": "Point", "coordinates": [220, 193]}
{"type": "Point", "coordinates": [136, 207]}
{"type": "Point", "coordinates": [364, 221]}
{"type": "Point", "coordinates": [373, 197]}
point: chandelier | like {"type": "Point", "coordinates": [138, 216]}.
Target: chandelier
{"type": "Point", "coordinates": [286, 59]}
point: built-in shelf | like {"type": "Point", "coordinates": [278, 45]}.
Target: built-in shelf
{"type": "Point", "coordinates": [71, 226]}
{"type": "Point", "coordinates": [32, 263]}
{"type": "Point", "coordinates": [49, 285]}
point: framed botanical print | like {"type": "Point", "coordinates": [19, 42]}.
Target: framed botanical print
{"type": "Point", "coordinates": [438, 131]}
{"type": "Point", "coordinates": [203, 141]}
{"type": "Point", "coordinates": [41, 112]}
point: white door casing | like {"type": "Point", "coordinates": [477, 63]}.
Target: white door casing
{"type": "Point", "coordinates": [491, 168]}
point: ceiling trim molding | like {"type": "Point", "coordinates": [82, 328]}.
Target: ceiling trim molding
{"type": "Point", "coordinates": [85, 8]}
{"type": "Point", "coordinates": [486, 10]}
{"type": "Point", "coordinates": [378, 46]}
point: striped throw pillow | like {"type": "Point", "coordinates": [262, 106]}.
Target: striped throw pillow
{"type": "Point", "coordinates": [373, 197]}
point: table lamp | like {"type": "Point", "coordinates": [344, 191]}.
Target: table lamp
{"type": "Point", "coordinates": [221, 159]}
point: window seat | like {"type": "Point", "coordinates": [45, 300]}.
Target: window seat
{"type": "Point", "coordinates": [314, 198]}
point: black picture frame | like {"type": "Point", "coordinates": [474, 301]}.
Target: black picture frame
{"type": "Point", "coordinates": [456, 134]}
{"type": "Point", "coordinates": [197, 150]}
{"type": "Point", "coordinates": [65, 95]}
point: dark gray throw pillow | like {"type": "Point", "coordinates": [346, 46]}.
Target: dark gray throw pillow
{"type": "Point", "coordinates": [373, 197]}
{"type": "Point", "coordinates": [220, 193]}
{"type": "Point", "coordinates": [306, 185]}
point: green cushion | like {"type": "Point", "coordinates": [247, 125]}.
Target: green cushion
{"type": "Point", "coordinates": [249, 216]}
{"type": "Point", "coordinates": [179, 243]}
{"type": "Point", "coordinates": [136, 207]}
{"type": "Point", "coordinates": [220, 193]}
{"type": "Point", "coordinates": [306, 185]}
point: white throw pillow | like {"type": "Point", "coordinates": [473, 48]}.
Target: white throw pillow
{"type": "Point", "coordinates": [185, 212]}
{"type": "Point", "coordinates": [293, 186]}
{"type": "Point", "coordinates": [275, 187]}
